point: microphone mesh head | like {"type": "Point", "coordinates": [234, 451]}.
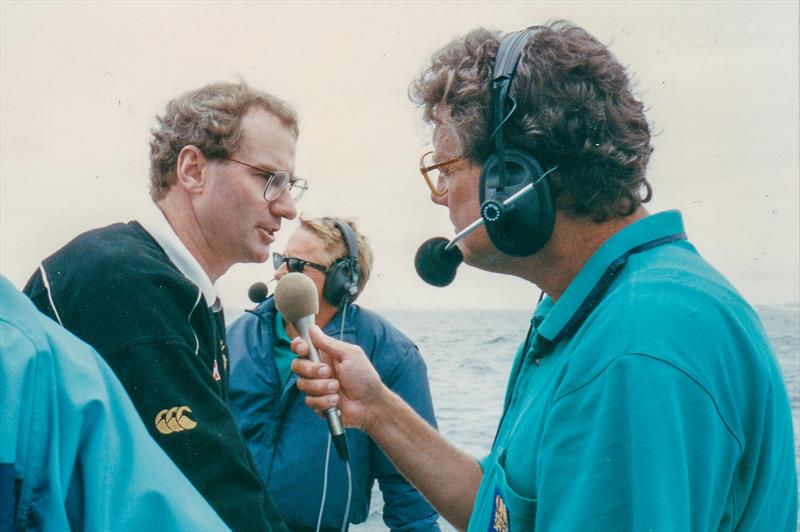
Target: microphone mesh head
{"type": "Point", "coordinates": [296, 296]}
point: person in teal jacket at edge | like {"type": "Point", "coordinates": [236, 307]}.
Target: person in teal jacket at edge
{"type": "Point", "coordinates": [289, 443]}
{"type": "Point", "coordinates": [74, 453]}
{"type": "Point", "coordinates": [646, 395]}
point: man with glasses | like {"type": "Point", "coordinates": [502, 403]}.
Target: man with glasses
{"type": "Point", "coordinates": [142, 293]}
{"type": "Point", "coordinates": [290, 444]}
{"type": "Point", "coordinates": [645, 395]}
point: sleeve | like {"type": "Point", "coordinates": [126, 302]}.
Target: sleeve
{"type": "Point", "coordinates": [629, 450]}
{"type": "Point", "coordinates": [405, 509]}
{"type": "Point", "coordinates": [83, 458]}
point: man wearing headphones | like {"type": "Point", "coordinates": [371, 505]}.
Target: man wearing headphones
{"type": "Point", "coordinates": [290, 444]}
{"type": "Point", "coordinates": [645, 395]}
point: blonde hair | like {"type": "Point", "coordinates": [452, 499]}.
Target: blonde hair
{"type": "Point", "coordinates": [335, 246]}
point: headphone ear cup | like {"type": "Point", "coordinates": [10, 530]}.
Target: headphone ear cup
{"type": "Point", "coordinates": [526, 224]}
{"type": "Point", "coordinates": [337, 282]}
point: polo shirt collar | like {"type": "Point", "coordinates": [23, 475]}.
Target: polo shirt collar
{"type": "Point", "coordinates": [560, 319]}
{"type": "Point", "coordinates": [281, 336]}
{"type": "Point", "coordinates": [154, 222]}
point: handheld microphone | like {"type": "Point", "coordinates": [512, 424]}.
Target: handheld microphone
{"type": "Point", "coordinates": [258, 292]}
{"type": "Point", "coordinates": [297, 300]}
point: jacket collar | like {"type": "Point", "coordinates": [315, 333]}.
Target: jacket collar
{"type": "Point", "coordinates": [154, 222]}
{"type": "Point", "coordinates": [267, 311]}
{"type": "Point", "coordinates": [558, 320]}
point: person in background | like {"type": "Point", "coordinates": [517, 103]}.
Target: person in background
{"type": "Point", "coordinates": [74, 453]}
{"type": "Point", "coordinates": [290, 444]}
{"type": "Point", "coordinates": [646, 395]}
{"type": "Point", "coordinates": [142, 293]}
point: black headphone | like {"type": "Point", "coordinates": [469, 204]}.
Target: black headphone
{"type": "Point", "coordinates": [341, 282]}
{"type": "Point", "coordinates": [522, 226]}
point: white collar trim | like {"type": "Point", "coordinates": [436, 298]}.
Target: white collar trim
{"type": "Point", "coordinates": [155, 223]}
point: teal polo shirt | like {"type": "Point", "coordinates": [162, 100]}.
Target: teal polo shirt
{"type": "Point", "coordinates": [647, 397]}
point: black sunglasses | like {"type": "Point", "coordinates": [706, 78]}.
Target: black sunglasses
{"type": "Point", "coordinates": [295, 265]}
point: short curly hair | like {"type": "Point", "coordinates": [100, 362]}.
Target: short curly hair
{"type": "Point", "coordinates": [210, 119]}
{"type": "Point", "coordinates": [335, 246]}
{"type": "Point", "coordinates": [575, 109]}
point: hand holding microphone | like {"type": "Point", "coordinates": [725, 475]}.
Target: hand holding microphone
{"type": "Point", "coordinates": [358, 381]}
{"type": "Point", "coordinates": [297, 300]}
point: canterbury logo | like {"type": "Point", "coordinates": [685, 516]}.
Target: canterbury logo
{"type": "Point", "coordinates": [175, 419]}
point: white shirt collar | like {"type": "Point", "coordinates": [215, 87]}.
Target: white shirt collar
{"type": "Point", "coordinates": [155, 223]}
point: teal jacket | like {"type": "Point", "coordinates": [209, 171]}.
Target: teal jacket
{"type": "Point", "coordinates": [646, 398]}
{"type": "Point", "coordinates": [74, 453]}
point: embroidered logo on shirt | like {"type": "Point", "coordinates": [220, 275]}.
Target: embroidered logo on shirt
{"type": "Point", "coordinates": [175, 419]}
{"type": "Point", "coordinates": [499, 520]}
{"type": "Point", "coordinates": [215, 374]}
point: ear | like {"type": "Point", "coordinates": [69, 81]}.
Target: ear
{"type": "Point", "coordinates": [190, 169]}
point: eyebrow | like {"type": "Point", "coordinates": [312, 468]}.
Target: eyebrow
{"type": "Point", "coordinates": [266, 168]}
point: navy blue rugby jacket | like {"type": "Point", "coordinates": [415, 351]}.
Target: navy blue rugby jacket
{"type": "Point", "coordinates": [117, 290]}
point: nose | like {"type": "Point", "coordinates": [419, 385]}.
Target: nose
{"type": "Point", "coordinates": [281, 271]}
{"type": "Point", "coordinates": [441, 184]}
{"type": "Point", "coordinates": [440, 200]}
{"type": "Point", "coordinates": [284, 206]}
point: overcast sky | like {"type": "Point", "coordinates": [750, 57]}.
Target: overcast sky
{"type": "Point", "coordinates": [80, 84]}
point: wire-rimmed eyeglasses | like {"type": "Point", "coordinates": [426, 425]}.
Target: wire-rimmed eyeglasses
{"type": "Point", "coordinates": [277, 182]}
{"type": "Point", "coordinates": [431, 171]}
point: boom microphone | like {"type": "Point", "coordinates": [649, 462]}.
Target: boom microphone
{"type": "Point", "coordinates": [297, 300]}
{"type": "Point", "coordinates": [258, 292]}
{"type": "Point", "coordinates": [437, 259]}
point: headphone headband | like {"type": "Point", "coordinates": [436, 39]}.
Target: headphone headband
{"type": "Point", "coordinates": [350, 239]}
{"type": "Point", "coordinates": [522, 226]}
{"type": "Point", "coordinates": [505, 67]}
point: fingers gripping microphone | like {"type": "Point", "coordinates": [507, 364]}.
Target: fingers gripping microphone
{"type": "Point", "coordinates": [258, 292]}
{"type": "Point", "coordinates": [297, 300]}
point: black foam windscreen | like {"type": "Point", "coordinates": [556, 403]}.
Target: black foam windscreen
{"type": "Point", "coordinates": [435, 265]}
{"type": "Point", "coordinates": [258, 292]}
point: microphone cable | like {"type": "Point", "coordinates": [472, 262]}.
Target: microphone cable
{"type": "Point", "coordinates": [346, 520]}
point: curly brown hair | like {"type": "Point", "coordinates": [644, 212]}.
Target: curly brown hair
{"type": "Point", "coordinates": [210, 119]}
{"type": "Point", "coordinates": [575, 109]}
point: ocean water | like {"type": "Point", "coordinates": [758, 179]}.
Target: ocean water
{"type": "Point", "coordinates": [469, 356]}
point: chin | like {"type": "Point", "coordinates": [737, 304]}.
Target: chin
{"type": "Point", "coordinates": [486, 258]}
{"type": "Point", "coordinates": [258, 255]}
